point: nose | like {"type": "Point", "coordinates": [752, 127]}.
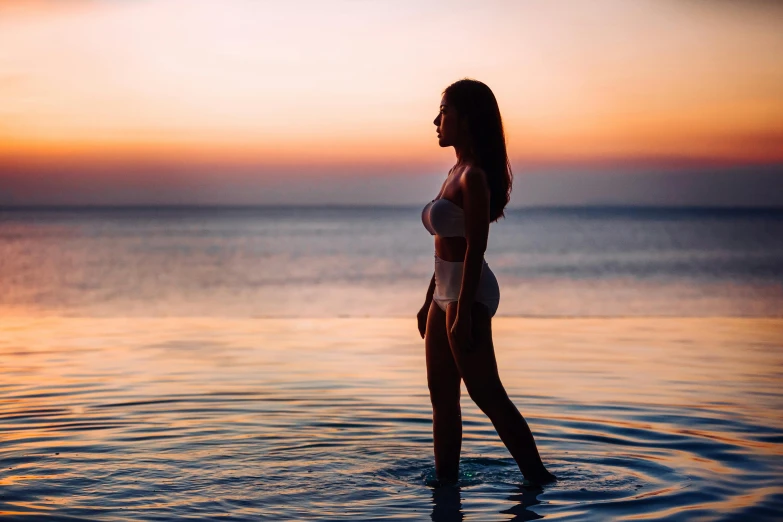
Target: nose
{"type": "Point", "coordinates": [437, 121]}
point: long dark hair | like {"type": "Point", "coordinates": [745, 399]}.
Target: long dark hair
{"type": "Point", "coordinates": [476, 104]}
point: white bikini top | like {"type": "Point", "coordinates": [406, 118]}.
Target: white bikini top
{"type": "Point", "coordinates": [443, 218]}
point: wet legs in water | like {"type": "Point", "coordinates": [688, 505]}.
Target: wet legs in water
{"type": "Point", "coordinates": [446, 365]}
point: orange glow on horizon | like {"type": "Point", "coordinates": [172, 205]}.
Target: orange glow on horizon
{"type": "Point", "coordinates": [360, 85]}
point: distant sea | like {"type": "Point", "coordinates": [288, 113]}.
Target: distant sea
{"type": "Point", "coordinates": [377, 261]}
{"type": "Point", "coordinates": [264, 364]}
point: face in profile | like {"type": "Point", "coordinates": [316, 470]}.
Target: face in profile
{"type": "Point", "coordinates": [448, 124]}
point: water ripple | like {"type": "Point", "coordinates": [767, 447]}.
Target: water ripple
{"type": "Point", "coordinates": [315, 436]}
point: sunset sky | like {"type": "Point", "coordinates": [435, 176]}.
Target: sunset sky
{"type": "Point", "coordinates": [244, 102]}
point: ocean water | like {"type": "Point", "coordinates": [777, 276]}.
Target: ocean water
{"type": "Point", "coordinates": [264, 364]}
{"type": "Point", "coordinates": [377, 262]}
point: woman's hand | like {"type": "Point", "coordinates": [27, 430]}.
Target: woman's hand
{"type": "Point", "coordinates": [461, 331]}
{"type": "Point", "coordinates": [422, 319]}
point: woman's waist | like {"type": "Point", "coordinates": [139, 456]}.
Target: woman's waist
{"type": "Point", "coordinates": [451, 248]}
{"type": "Point", "coordinates": [439, 259]}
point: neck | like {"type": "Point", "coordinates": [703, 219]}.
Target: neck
{"type": "Point", "coordinates": [464, 155]}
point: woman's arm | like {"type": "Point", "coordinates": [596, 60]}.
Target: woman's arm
{"type": "Point", "coordinates": [430, 291]}
{"type": "Point", "coordinates": [475, 191]}
{"type": "Point", "coordinates": [424, 312]}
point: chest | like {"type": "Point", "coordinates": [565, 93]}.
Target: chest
{"type": "Point", "coordinates": [451, 189]}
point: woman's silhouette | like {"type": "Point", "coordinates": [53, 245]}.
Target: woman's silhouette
{"type": "Point", "coordinates": [455, 320]}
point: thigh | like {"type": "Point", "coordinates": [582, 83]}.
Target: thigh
{"type": "Point", "coordinates": [443, 377]}
{"type": "Point", "coordinates": [478, 366]}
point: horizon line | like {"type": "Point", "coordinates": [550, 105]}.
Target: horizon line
{"type": "Point", "coordinates": [191, 206]}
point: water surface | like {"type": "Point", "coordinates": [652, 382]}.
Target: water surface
{"type": "Point", "coordinates": [264, 364]}
{"type": "Point", "coordinates": [329, 419]}
{"type": "Point", "coordinates": [377, 262]}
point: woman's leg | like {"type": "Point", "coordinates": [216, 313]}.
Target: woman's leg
{"type": "Point", "coordinates": [480, 373]}
{"type": "Point", "coordinates": [444, 383]}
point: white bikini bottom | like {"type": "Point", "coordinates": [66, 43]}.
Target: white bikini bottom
{"type": "Point", "coordinates": [448, 281]}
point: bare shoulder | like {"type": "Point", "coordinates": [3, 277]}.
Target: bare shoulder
{"type": "Point", "coordinates": [475, 179]}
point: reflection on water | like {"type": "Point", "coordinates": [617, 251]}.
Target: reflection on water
{"type": "Point", "coordinates": [329, 419]}
{"type": "Point", "coordinates": [377, 262]}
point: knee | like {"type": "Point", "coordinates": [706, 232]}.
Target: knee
{"type": "Point", "coordinates": [487, 395]}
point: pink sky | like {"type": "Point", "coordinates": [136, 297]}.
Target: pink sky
{"type": "Point", "coordinates": [190, 94]}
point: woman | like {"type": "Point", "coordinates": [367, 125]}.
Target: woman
{"type": "Point", "coordinates": [455, 320]}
